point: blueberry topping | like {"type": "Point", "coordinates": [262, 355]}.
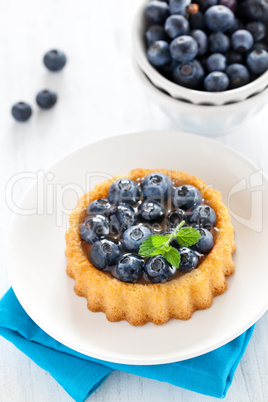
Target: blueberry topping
{"type": "Point", "coordinates": [21, 111]}
{"type": "Point", "coordinates": [156, 186]}
{"type": "Point", "coordinates": [203, 216]}
{"type": "Point", "coordinates": [184, 48]}
{"type": "Point", "coordinates": [133, 237]}
{"type": "Point", "coordinates": [55, 60]}
{"type": "Point", "coordinates": [216, 81]}
{"type": "Point", "coordinates": [124, 191]}
{"type": "Point", "coordinates": [159, 54]}
{"type": "Point", "coordinates": [99, 207]}
{"type": "Point", "coordinates": [189, 260]}
{"type": "Point", "coordinates": [206, 242]}
{"type": "Point", "coordinates": [46, 98]}
{"type": "Point", "coordinates": [93, 228]}
{"type": "Point", "coordinates": [175, 217]}
{"type": "Point", "coordinates": [121, 217]}
{"type": "Point", "coordinates": [176, 25]}
{"type": "Point", "coordinates": [130, 268]}
{"type": "Point", "coordinates": [105, 254]}
{"type": "Point", "coordinates": [151, 211]}
{"type": "Point", "coordinates": [185, 197]}
{"type": "Point", "coordinates": [219, 18]}
{"type": "Point", "coordinates": [158, 270]}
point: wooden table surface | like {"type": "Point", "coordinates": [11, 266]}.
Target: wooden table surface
{"type": "Point", "coordinates": [99, 96]}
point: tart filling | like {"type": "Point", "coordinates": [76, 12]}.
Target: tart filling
{"type": "Point", "coordinates": [111, 226]}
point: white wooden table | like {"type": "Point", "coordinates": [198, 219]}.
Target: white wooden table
{"type": "Point", "coordinates": [99, 96]}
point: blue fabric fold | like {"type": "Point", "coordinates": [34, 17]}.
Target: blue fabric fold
{"type": "Point", "coordinates": [210, 374]}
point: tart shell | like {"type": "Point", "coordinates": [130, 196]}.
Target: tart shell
{"type": "Point", "coordinates": [139, 303]}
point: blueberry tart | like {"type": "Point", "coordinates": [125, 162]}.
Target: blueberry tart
{"type": "Point", "coordinates": [150, 246]}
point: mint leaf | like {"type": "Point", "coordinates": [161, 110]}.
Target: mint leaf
{"type": "Point", "coordinates": [188, 237]}
{"type": "Point", "coordinates": [173, 257]}
{"type": "Point", "coordinates": [147, 248]}
{"type": "Point", "coordinates": [158, 251]}
{"type": "Point", "coordinates": [166, 248]}
{"type": "Point", "coordinates": [159, 240]}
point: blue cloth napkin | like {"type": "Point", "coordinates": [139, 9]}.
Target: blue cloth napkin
{"type": "Point", "coordinates": [210, 374]}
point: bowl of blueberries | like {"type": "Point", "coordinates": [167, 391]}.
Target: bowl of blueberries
{"type": "Point", "coordinates": [204, 61]}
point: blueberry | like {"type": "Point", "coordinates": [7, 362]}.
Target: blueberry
{"type": "Point", "coordinates": [257, 61]}
{"type": "Point", "coordinates": [242, 41]}
{"type": "Point", "coordinates": [256, 10]}
{"type": "Point", "coordinates": [233, 58]}
{"type": "Point", "coordinates": [46, 99]}
{"type": "Point", "coordinates": [185, 197]}
{"type": "Point", "coordinates": [205, 4]}
{"type": "Point", "coordinates": [124, 191]}
{"type": "Point", "coordinates": [189, 74]}
{"type": "Point", "coordinates": [184, 48]}
{"type": "Point", "coordinates": [257, 30]}
{"type": "Point", "coordinates": [189, 260]}
{"type": "Point", "coordinates": [238, 75]}
{"type": "Point", "coordinates": [219, 18]}
{"type": "Point", "coordinates": [21, 111]}
{"type": "Point", "coordinates": [260, 46]}
{"type": "Point", "coordinates": [130, 268]}
{"type": "Point", "coordinates": [154, 33]}
{"type": "Point", "coordinates": [219, 42]}
{"type": "Point", "coordinates": [158, 53]}
{"type": "Point", "coordinates": [203, 216]}
{"type": "Point", "coordinates": [175, 217]}
{"type": "Point", "coordinates": [216, 81]}
{"type": "Point", "coordinates": [229, 3]}
{"type": "Point", "coordinates": [133, 237]}
{"type": "Point", "coordinates": [100, 206]}
{"type": "Point", "coordinates": [54, 60]}
{"type": "Point", "coordinates": [151, 211]}
{"type": "Point", "coordinates": [105, 254]}
{"type": "Point", "coordinates": [216, 62]}
{"type": "Point", "coordinates": [156, 186]}
{"type": "Point", "coordinates": [238, 24]}
{"type": "Point", "coordinates": [205, 243]}
{"type": "Point", "coordinates": [197, 21]}
{"type": "Point", "coordinates": [93, 228]}
{"type": "Point", "coordinates": [179, 6]}
{"type": "Point", "coordinates": [202, 41]}
{"type": "Point", "coordinates": [158, 270]}
{"type": "Point", "coordinates": [121, 217]}
{"type": "Point", "coordinates": [156, 12]}
{"type": "Point", "coordinates": [176, 25]}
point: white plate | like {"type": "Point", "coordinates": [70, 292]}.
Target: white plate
{"type": "Point", "coordinates": [37, 262]}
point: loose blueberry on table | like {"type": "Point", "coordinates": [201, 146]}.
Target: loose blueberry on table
{"type": "Point", "coordinates": [210, 45]}
{"type": "Point", "coordinates": [148, 231]}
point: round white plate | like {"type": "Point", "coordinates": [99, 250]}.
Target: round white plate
{"type": "Point", "coordinates": [37, 261]}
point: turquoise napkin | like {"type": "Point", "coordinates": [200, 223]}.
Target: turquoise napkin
{"type": "Point", "coordinates": [80, 375]}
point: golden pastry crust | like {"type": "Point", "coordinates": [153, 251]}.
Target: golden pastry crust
{"type": "Point", "coordinates": [139, 303]}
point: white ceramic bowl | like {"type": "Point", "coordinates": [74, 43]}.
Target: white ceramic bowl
{"type": "Point", "coordinates": [200, 119]}
{"type": "Point", "coordinates": [182, 93]}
